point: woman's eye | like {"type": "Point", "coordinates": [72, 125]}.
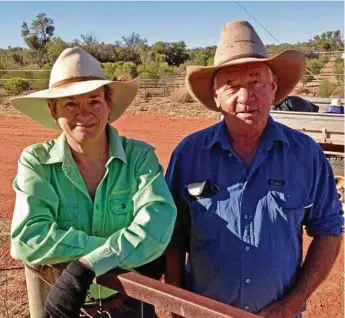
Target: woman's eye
{"type": "Point", "coordinates": [95, 102]}
{"type": "Point", "coordinates": [70, 105]}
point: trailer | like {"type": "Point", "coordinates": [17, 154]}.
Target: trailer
{"type": "Point", "coordinates": [326, 129]}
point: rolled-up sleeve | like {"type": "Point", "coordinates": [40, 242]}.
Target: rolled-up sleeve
{"type": "Point", "coordinates": [324, 217]}
{"type": "Point", "coordinates": [35, 235]}
{"type": "Point", "coordinates": [146, 238]}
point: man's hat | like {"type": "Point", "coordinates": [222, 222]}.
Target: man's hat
{"type": "Point", "coordinates": [75, 72]}
{"type": "Point", "coordinates": [240, 44]}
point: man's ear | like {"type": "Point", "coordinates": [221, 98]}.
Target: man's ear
{"type": "Point", "coordinates": [274, 86]}
{"type": "Point", "coordinates": [216, 99]}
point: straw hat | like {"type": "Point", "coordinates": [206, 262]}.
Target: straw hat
{"type": "Point", "coordinates": [240, 44]}
{"type": "Point", "coordinates": [75, 72]}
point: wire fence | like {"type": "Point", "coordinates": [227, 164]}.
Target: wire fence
{"type": "Point", "coordinates": [13, 295]}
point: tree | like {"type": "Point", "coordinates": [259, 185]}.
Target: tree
{"type": "Point", "coordinates": [176, 53]}
{"type": "Point", "coordinates": [40, 32]}
{"type": "Point", "coordinates": [54, 48]}
{"type": "Point", "coordinates": [86, 39]}
{"type": "Point", "coordinates": [131, 41]}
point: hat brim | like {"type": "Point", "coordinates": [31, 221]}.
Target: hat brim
{"type": "Point", "coordinates": [289, 67]}
{"type": "Point", "coordinates": [35, 105]}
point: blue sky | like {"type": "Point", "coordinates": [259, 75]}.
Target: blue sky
{"type": "Point", "coordinates": [196, 23]}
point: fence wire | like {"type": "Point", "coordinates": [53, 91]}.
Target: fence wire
{"type": "Point", "coordinates": [13, 295]}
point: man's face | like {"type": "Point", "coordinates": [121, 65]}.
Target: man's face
{"type": "Point", "coordinates": [82, 117]}
{"type": "Point", "coordinates": [245, 94]}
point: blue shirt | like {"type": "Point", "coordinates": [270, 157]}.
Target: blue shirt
{"type": "Point", "coordinates": [243, 234]}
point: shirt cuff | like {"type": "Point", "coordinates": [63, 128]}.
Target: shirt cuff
{"type": "Point", "coordinates": [102, 260]}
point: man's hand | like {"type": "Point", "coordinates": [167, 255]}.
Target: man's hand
{"type": "Point", "coordinates": [69, 291]}
{"type": "Point", "coordinates": [280, 309]}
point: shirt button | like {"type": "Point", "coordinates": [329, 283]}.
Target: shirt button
{"type": "Point", "coordinates": [245, 216]}
{"type": "Point", "coordinates": [230, 154]}
{"type": "Point", "coordinates": [246, 307]}
{"type": "Point", "coordinates": [247, 280]}
{"type": "Point", "coordinates": [247, 248]}
{"type": "Point", "coordinates": [96, 233]}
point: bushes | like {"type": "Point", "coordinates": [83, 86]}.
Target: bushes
{"type": "Point", "coordinates": [40, 84]}
{"type": "Point", "coordinates": [314, 66]}
{"type": "Point", "coordinates": [112, 69]}
{"type": "Point", "coordinates": [326, 89]}
{"type": "Point", "coordinates": [16, 85]}
{"type": "Point", "coordinates": [180, 95]}
{"type": "Point", "coordinates": [339, 70]}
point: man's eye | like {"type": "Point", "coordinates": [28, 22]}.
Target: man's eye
{"type": "Point", "coordinates": [233, 87]}
{"type": "Point", "coordinates": [255, 82]}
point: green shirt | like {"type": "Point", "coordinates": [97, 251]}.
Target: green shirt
{"type": "Point", "coordinates": [128, 224]}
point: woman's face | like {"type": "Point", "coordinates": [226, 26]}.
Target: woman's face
{"type": "Point", "coordinates": [82, 117]}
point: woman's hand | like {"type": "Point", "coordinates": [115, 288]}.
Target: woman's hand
{"type": "Point", "coordinates": [68, 293]}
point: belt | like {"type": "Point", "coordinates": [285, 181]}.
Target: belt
{"type": "Point", "coordinates": [107, 304]}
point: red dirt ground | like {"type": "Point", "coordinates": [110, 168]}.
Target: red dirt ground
{"type": "Point", "coordinates": [163, 133]}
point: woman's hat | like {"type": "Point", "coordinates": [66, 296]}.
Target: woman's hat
{"type": "Point", "coordinates": [75, 72]}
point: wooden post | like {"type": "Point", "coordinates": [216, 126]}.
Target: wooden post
{"type": "Point", "coordinates": [38, 290]}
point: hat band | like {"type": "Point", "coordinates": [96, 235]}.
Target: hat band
{"type": "Point", "coordinates": [240, 57]}
{"type": "Point", "coordinates": [75, 79]}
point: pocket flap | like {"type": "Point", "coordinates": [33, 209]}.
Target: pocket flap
{"type": "Point", "coordinates": [291, 202]}
{"type": "Point", "coordinates": [120, 206]}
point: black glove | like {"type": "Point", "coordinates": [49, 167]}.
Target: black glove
{"type": "Point", "coordinates": [69, 291]}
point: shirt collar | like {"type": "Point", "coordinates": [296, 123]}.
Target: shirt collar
{"type": "Point", "coordinates": [115, 145]}
{"type": "Point", "coordinates": [61, 149]}
{"type": "Point", "coordinates": [272, 133]}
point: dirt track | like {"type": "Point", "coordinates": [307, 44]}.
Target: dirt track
{"type": "Point", "coordinates": [164, 133]}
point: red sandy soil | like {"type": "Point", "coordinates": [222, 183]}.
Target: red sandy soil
{"type": "Point", "coordinates": [17, 132]}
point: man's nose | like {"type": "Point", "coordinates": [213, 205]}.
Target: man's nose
{"type": "Point", "coordinates": [244, 95]}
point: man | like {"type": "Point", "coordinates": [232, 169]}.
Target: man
{"type": "Point", "coordinates": [245, 187]}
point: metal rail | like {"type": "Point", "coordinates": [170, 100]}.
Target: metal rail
{"type": "Point", "coordinates": [171, 298]}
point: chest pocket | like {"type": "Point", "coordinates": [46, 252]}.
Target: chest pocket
{"type": "Point", "coordinates": [290, 207]}
{"type": "Point", "coordinates": [122, 209]}
{"type": "Point", "coordinates": [67, 216]}
{"type": "Point", "coordinates": [206, 221]}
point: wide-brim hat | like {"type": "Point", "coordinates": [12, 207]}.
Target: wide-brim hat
{"type": "Point", "coordinates": [75, 72]}
{"type": "Point", "coordinates": [240, 44]}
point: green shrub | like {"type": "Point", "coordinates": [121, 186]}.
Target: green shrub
{"type": "Point", "coordinates": [127, 67]}
{"type": "Point", "coordinates": [339, 70]}
{"type": "Point", "coordinates": [40, 84]}
{"type": "Point", "coordinates": [326, 89]}
{"type": "Point", "coordinates": [109, 69]}
{"type": "Point", "coordinates": [314, 66]}
{"type": "Point", "coordinates": [16, 85]}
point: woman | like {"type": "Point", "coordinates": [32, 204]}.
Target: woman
{"type": "Point", "coordinates": [90, 196]}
